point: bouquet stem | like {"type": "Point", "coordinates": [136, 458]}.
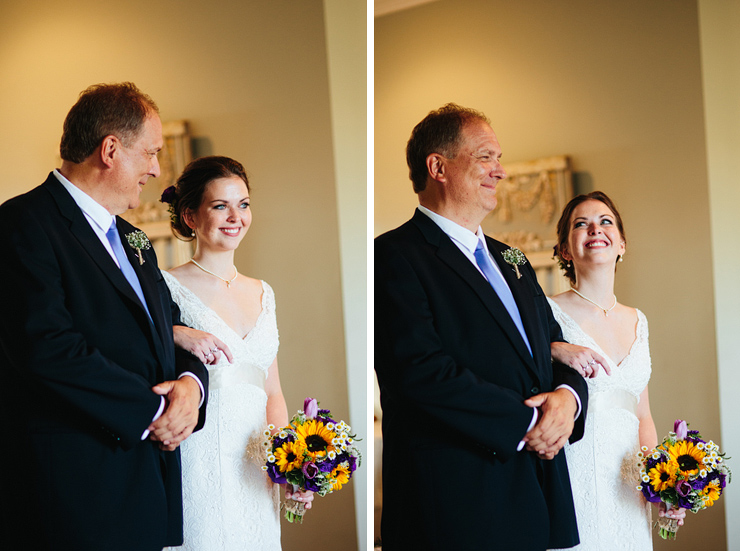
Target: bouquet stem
{"type": "Point", "coordinates": [294, 510]}
{"type": "Point", "coordinates": [667, 526]}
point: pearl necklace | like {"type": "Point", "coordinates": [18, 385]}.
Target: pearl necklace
{"type": "Point", "coordinates": [599, 306]}
{"type": "Point", "coordinates": [227, 281]}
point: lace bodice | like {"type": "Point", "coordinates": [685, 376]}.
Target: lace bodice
{"type": "Point", "coordinates": [228, 501]}
{"type": "Point", "coordinates": [611, 514]}
{"type": "Point", "coordinates": [631, 374]}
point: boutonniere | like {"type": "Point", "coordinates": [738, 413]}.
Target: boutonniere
{"type": "Point", "coordinates": [139, 241]}
{"type": "Point", "coordinates": [516, 258]}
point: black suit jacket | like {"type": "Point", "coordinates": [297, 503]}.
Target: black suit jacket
{"type": "Point", "coordinates": [79, 357]}
{"type": "Point", "coordinates": [453, 373]}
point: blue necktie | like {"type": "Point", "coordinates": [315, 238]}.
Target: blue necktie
{"type": "Point", "coordinates": [126, 268]}
{"type": "Point", "coordinates": [485, 263]}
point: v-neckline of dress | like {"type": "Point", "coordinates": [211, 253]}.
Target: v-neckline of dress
{"type": "Point", "coordinates": [597, 346]}
{"type": "Point", "coordinates": [221, 320]}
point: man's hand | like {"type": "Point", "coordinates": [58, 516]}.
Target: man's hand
{"type": "Point", "coordinates": [554, 426]}
{"type": "Point", "coordinates": [181, 414]}
{"type": "Point", "coordinates": [200, 344]}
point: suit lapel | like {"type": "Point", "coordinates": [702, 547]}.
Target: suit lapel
{"type": "Point", "coordinates": [81, 230]}
{"type": "Point", "coordinates": [451, 255]}
{"type": "Point", "coordinates": [148, 286]}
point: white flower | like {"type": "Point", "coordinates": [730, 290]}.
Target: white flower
{"type": "Point", "coordinates": [271, 458]}
{"type": "Point", "coordinates": [270, 427]}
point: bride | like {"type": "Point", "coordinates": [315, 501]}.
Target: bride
{"type": "Point", "coordinates": [229, 502]}
{"type": "Point", "coordinates": [611, 513]}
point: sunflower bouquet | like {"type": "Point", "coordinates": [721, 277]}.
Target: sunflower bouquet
{"type": "Point", "coordinates": [684, 471]}
{"type": "Point", "coordinates": [313, 453]}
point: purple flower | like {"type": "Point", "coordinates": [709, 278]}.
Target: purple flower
{"type": "Point", "coordinates": [278, 442]}
{"type": "Point", "coordinates": [683, 488]}
{"type": "Point", "coordinates": [273, 471]}
{"type": "Point", "coordinates": [310, 470]}
{"type": "Point", "coordinates": [169, 195]}
{"type": "Point", "coordinates": [310, 407]}
{"type": "Point", "coordinates": [327, 465]}
{"type": "Point", "coordinates": [311, 485]}
{"type": "Point", "coordinates": [680, 428]}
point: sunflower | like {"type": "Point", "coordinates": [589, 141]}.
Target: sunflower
{"type": "Point", "coordinates": [316, 438]}
{"type": "Point", "coordinates": [289, 456]}
{"type": "Point", "coordinates": [711, 493]}
{"type": "Point", "coordinates": [663, 476]}
{"type": "Point", "coordinates": [340, 474]}
{"type": "Point", "coordinates": [688, 456]}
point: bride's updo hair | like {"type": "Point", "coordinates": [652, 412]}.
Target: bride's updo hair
{"type": "Point", "coordinates": [564, 228]}
{"type": "Point", "coordinates": [187, 194]}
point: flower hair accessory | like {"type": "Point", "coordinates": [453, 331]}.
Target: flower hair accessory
{"type": "Point", "coordinates": [139, 241]}
{"type": "Point", "coordinates": [169, 196]}
{"type": "Point", "coordinates": [516, 258]}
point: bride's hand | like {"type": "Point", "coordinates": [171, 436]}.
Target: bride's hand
{"type": "Point", "coordinates": [200, 344]}
{"type": "Point", "coordinates": [582, 359]}
{"type": "Point", "coordinates": [305, 497]}
{"type": "Point", "coordinates": [678, 514]}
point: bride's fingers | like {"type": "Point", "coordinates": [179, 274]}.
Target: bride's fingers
{"type": "Point", "coordinates": [222, 347]}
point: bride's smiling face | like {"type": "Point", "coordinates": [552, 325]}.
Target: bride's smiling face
{"type": "Point", "coordinates": [594, 235]}
{"type": "Point", "coordinates": [224, 216]}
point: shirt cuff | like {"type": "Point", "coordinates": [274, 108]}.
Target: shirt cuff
{"type": "Point", "coordinates": [156, 416]}
{"type": "Point", "coordinates": [202, 392]}
{"type": "Point", "coordinates": [532, 423]}
{"type": "Point", "coordinates": [575, 395]}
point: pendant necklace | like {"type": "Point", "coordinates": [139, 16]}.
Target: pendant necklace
{"type": "Point", "coordinates": [227, 281]}
{"type": "Point", "coordinates": [599, 306]}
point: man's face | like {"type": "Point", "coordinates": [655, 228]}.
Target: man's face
{"type": "Point", "coordinates": [136, 164]}
{"type": "Point", "coordinates": [471, 177]}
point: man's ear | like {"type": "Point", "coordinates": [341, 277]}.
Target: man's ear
{"type": "Point", "coordinates": [436, 167]}
{"type": "Point", "coordinates": [109, 149]}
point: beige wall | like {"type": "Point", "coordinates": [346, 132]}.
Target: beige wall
{"type": "Point", "coordinates": [618, 87]}
{"type": "Point", "coordinates": [720, 42]}
{"type": "Point", "coordinates": [252, 79]}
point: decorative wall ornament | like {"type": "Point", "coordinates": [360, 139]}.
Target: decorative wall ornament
{"type": "Point", "coordinates": [530, 200]}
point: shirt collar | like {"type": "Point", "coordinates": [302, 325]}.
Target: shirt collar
{"type": "Point", "coordinates": [94, 210]}
{"type": "Point", "coordinates": [462, 235]}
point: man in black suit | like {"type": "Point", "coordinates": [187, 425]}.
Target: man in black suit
{"type": "Point", "coordinates": [474, 412]}
{"type": "Point", "coordinates": [96, 397]}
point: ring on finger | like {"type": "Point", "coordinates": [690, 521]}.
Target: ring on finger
{"type": "Point", "coordinates": [591, 362]}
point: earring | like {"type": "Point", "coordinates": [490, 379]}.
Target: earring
{"type": "Point", "coordinates": [192, 234]}
{"type": "Point", "coordinates": [569, 265]}
{"type": "Point", "coordinates": [621, 258]}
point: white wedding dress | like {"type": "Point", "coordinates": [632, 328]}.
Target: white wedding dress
{"type": "Point", "coordinates": [229, 501]}
{"type": "Point", "coordinates": [612, 515]}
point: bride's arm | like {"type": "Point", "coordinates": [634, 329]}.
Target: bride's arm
{"type": "Point", "coordinates": [277, 411]}
{"type": "Point", "coordinates": [649, 438]}
{"type": "Point", "coordinates": [277, 414]}
{"type": "Point", "coordinates": [648, 434]}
